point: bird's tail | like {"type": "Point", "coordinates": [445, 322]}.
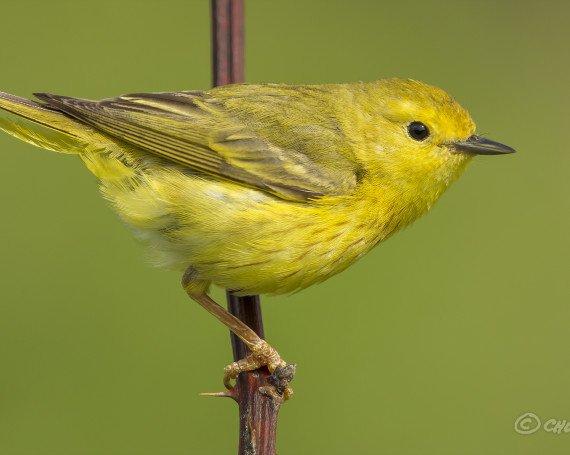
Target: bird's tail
{"type": "Point", "coordinates": [42, 125]}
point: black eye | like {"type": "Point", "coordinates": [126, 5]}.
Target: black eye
{"type": "Point", "coordinates": [418, 131]}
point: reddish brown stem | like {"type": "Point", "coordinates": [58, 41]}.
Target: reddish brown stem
{"type": "Point", "coordinates": [258, 394]}
{"type": "Point", "coordinates": [228, 48]}
{"type": "Point", "coordinates": [228, 68]}
{"type": "Point", "coordinates": [248, 310]}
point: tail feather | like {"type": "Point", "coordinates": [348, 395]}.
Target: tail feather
{"type": "Point", "coordinates": [43, 126]}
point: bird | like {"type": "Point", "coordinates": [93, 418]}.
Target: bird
{"type": "Point", "coordinates": [261, 188]}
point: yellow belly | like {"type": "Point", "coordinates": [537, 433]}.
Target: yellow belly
{"type": "Point", "coordinates": [236, 237]}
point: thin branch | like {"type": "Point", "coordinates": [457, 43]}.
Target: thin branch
{"type": "Point", "coordinates": [258, 393]}
{"type": "Point", "coordinates": [228, 68]}
{"type": "Point", "coordinates": [228, 44]}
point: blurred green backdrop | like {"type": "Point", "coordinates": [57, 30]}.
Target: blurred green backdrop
{"type": "Point", "coordinates": [442, 337]}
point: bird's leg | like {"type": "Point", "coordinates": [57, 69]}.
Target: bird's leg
{"type": "Point", "coordinates": [262, 354]}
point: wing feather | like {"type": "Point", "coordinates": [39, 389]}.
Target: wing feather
{"type": "Point", "coordinates": [281, 139]}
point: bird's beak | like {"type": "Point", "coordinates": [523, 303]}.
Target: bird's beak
{"type": "Point", "coordinates": [480, 146]}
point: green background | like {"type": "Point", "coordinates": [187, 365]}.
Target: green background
{"type": "Point", "coordinates": [432, 344]}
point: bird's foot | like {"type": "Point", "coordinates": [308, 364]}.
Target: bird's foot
{"type": "Point", "coordinates": [262, 354]}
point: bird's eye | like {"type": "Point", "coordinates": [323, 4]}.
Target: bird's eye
{"type": "Point", "coordinates": [418, 131]}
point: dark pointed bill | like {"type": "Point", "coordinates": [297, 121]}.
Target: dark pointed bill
{"type": "Point", "coordinates": [481, 146]}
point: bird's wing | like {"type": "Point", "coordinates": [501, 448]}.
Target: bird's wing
{"type": "Point", "coordinates": [43, 126]}
{"type": "Point", "coordinates": [282, 139]}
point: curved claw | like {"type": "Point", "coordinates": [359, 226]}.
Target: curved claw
{"type": "Point", "coordinates": [263, 354]}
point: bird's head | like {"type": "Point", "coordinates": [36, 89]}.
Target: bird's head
{"type": "Point", "coordinates": [423, 139]}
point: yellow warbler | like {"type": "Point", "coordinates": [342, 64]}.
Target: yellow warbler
{"type": "Point", "coordinates": [261, 188]}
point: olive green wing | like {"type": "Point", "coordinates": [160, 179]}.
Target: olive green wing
{"type": "Point", "coordinates": [282, 139]}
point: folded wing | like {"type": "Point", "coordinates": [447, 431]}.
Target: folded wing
{"type": "Point", "coordinates": [282, 139]}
